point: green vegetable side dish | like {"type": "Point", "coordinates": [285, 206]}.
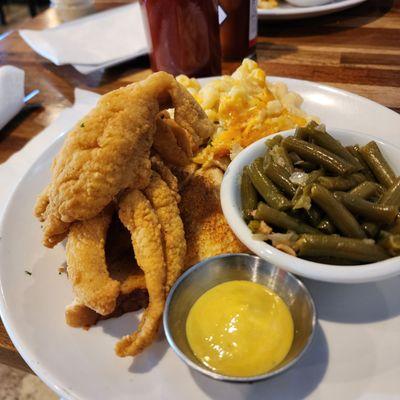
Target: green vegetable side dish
{"type": "Point", "coordinates": [311, 196]}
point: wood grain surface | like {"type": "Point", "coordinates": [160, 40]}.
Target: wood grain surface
{"type": "Point", "coordinates": [356, 50]}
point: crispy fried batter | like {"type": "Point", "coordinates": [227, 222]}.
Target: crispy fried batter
{"type": "Point", "coordinates": [137, 214]}
{"type": "Point", "coordinates": [207, 232]}
{"type": "Point", "coordinates": [79, 316]}
{"type": "Point", "coordinates": [87, 268]}
{"type": "Point", "coordinates": [108, 151]}
{"type": "Point", "coordinates": [41, 204]}
{"type": "Point", "coordinates": [165, 141]}
{"type": "Point", "coordinates": [190, 116]}
{"type": "Point", "coordinates": [168, 177]}
{"type": "Point", "coordinates": [165, 205]}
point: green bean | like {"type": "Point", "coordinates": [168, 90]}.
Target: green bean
{"type": "Point", "coordinates": [355, 151]}
{"type": "Point", "coordinates": [332, 260]}
{"type": "Point", "coordinates": [305, 165]}
{"type": "Point", "coordinates": [336, 211]}
{"type": "Point", "coordinates": [302, 197]}
{"type": "Point", "coordinates": [377, 163]}
{"type": "Point", "coordinates": [280, 156]}
{"type": "Point", "coordinates": [367, 189]}
{"type": "Point", "coordinates": [392, 196]}
{"type": "Point", "coordinates": [341, 183]}
{"type": "Point", "coordinates": [276, 140]}
{"type": "Point", "coordinates": [282, 220]}
{"type": "Point", "coordinates": [335, 182]}
{"type": "Point", "coordinates": [294, 157]}
{"type": "Point", "coordinates": [321, 137]}
{"type": "Point", "coordinates": [304, 132]}
{"type": "Point", "coordinates": [370, 211]}
{"type": "Point", "coordinates": [370, 228]}
{"type": "Point", "coordinates": [314, 153]}
{"type": "Point", "coordinates": [363, 251]}
{"type": "Point", "coordinates": [326, 226]}
{"type": "Point", "coordinates": [313, 215]}
{"type": "Point", "coordinates": [391, 243]}
{"type": "Point", "coordinates": [280, 176]}
{"type": "Point", "coordinates": [254, 226]}
{"type": "Point", "coordinates": [248, 194]}
{"type": "Point", "coordinates": [272, 196]}
{"type": "Point", "coordinates": [395, 229]}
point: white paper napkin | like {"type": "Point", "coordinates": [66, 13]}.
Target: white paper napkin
{"type": "Point", "coordinates": [94, 41]}
{"type": "Point", "coordinates": [12, 81]}
{"type": "Point", "coordinates": [12, 171]}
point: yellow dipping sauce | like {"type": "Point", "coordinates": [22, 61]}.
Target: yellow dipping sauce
{"type": "Point", "coordinates": [240, 328]}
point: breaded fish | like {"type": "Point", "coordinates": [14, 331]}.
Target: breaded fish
{"type": "Point", "coordinates": [109, 151]}
{"type": "Point", "coordinates": [168, 177]}
{"type": "Point", "coordinates": [86, 264]}
{"type": "Point", "coordinates": [207, 232]}
{"type": "Point", "coordinates": [166, 143]}
{"type": "Point", "coordinates": [79, 316]}
{"type": "Point", "coordinates": [164, 202]}
{"type": "Point", "coordinates": [137, 214]}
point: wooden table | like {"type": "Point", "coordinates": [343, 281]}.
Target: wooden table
{"type": "Point", "coordinates": [357, 50]}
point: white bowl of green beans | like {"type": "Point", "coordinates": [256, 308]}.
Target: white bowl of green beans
{"type": "Point", "coordinates": [320, 203]}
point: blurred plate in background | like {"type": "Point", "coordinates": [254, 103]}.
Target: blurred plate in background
{"type": "Point", "coordinates": [285, 11]}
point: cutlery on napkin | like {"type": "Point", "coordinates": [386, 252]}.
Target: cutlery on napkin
{"type": "Point", "coordinates": [93, 42]}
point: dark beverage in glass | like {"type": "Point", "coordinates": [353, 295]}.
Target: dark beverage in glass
{"type": "Point", "coordinates": [238, 31]}
{"type": "Point", "coordinates": [184, 36]}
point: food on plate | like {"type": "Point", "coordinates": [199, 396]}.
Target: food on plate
{"type": "Point", "coordinates": [312, 197]}
{"type": "Point", "coordinates": [165, 204]}
{"type": "Point", "coordinates": [108, 151]}
{"type": "Point", "coordinates": [172, 141]}
{"type": "Point", "coordinates": [248, 329]}
{"type": "Point", "coordinates": [137, 204]}
{"type": "Point", "coordinates": [86, 263]}
{"type": "Point", "coordinates": [267, 4]}
{"type": "Point", "coordinates": [115, 166]}
{"type": "Point", "coordinates": [140, 218]}
{"type": "Point", "coordinates": [244, 107]}
{"type": "Point", "coordinates": [206, 230]}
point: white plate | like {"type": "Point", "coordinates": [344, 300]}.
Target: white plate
{"type": "Point", "coordinates": [287, 11]}
{"type": "Point", "coordinates": [355, 354]}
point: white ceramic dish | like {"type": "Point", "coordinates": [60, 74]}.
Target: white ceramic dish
{"type": "Point", "coordinates": [355, 353]}
{"type": "Point", "coordinates": [286, 11]}
{"type": "Point", "coordinates": [231, 205]}
{"type": "Point", "coordinates": [307, 3]}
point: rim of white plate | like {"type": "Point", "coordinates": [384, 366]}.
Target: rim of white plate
{"type": "Point", "coordinates": [19, 342]}
{"type": "Point", "coordinates": [293, 11]}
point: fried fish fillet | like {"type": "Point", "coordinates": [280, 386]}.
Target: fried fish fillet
{"type": "Point", "coordinates": [121, 267]}
{"type": "Point", "coordinates": [166, 174]}
{"type": "Point", "coordinates": [207, 232]}
{"type": "Point", "coordinates": [137, 214]}
{"type": "Point", "coordinates": [108, 151]}
{"type": "Point", "coordinates": [166, 143]}
{"type": "Point", "coordinates": [79, 316]}
{"type": "Point", "coordinates": [164, 202]}
{"type": "Point", "coordinates": [86, 264]}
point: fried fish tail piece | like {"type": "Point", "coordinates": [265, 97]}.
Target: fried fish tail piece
{"type": "Point", "coordinates": [78, 315]}
{"type": "Point", "coordinates": [86, 264]}
{"type": "Point", "coordinates": [139, 217]}
{"type": "Point", "coordinates": [164, 202]}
